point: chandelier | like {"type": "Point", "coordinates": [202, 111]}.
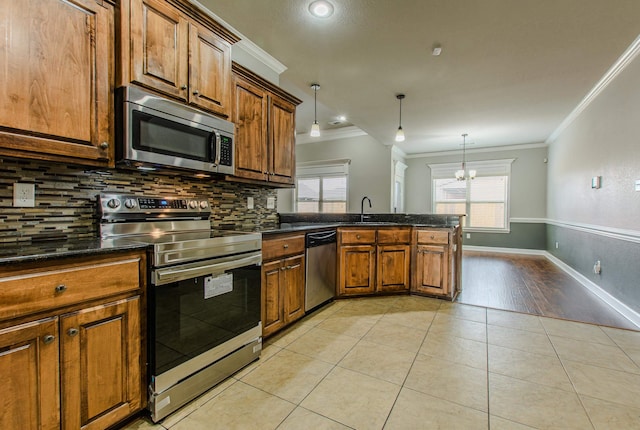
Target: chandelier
{"type": "Point", "coordinates": [462, 174]}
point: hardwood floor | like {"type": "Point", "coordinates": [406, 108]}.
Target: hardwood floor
{"type": "Point", "coordinates": [534, 285]}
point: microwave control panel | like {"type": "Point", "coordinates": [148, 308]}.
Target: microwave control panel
{"type": "Point", "coordinates": [226, 151]}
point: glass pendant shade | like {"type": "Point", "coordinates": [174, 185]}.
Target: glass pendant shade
{"type": "Point", "coordinates": [472, 174]}
{"type": "Point", "coordinates": [460, 175]}
{"type": "Point", "coordinates": [400, 135]}
{"type": "Point", "coordinates": [315, 129]}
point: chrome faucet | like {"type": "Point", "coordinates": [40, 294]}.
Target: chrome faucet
{"type": "Point", "coordinates": [362, 207]}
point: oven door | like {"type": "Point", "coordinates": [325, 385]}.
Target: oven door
{"type": "Point", "coordinates": [201, 312]}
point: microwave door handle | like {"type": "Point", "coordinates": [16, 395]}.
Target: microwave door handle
{"type": "Point", "coordinates": [217, 148]}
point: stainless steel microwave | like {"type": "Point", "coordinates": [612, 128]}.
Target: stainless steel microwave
{"type": "Point", "coordinates": [157, 133]}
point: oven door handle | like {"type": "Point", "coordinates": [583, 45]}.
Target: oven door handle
{"type": "Point", "coordinates": [193, 270]}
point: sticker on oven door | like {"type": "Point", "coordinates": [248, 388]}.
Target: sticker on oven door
{"type": "Point", "coordinates": [216, 285]}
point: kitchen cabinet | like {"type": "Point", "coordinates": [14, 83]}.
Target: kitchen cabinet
{"type": "Point", "coordinates": [56, 84]}
{"type": "Point", "coordinates": [283, 281]}
{"type": "Point", "coordinates": [436, 255]}
{"type": "Point", "coordinates": [71, 338]}
{"type": "Point", "coordinates": [173, 51]}
{"type": "Point", "coordinates": [265, 129]}
{"type": "Point", "coordinates": [373, 260]}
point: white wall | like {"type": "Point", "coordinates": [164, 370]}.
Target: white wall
{"type": "Point", "coordinates": [369, 172]}
{"type": "Point", "coordinates": [528, 179]}
{"type": "Point", "coordinates": [603, 141]}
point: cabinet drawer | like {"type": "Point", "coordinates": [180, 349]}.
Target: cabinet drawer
{"type": "Point", "coordinates": [433, 236]}
{"type": "Point", "coordinates": [395, 235]}
{"type": "Point", "coordinates": [276, 248]}
{"type": "Point", "coordinates": [357, 236]}
{"type": "Point", "coordinates": [54, 288]}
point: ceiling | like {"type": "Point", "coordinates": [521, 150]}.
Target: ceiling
{"type": "Point", "coordinates": [510, 70]}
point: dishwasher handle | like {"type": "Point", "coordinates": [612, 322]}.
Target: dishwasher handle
{"type": "Point", "coordinates": [320, 238]}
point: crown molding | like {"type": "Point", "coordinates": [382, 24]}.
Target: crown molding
{"type": "Point", "coordinates": [245, 44]}
{"type": "Point", "coordinates": [331, 134]}
{"type": "Point", "coordinates": [625, 59]}
{"type": "Point", "coordinates": [479, 150]}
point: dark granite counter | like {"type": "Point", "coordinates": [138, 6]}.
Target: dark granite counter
{"type": "Point", "coordinates": [32, 252]}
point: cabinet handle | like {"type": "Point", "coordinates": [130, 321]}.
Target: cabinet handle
{"type": "Point", "coordinates": [184, 87]}
{"type": "Point", "coordinates": [72, 332]}
{"type": "Point", "coordinates": [432, 237]}
{"type": "Point", "coordinates": [61, 288]}
{"type": "Point", "coordinates": [196, 92]}
{"type": "Point", "coordinates": [104, 145]}
{"type": "Point", "coordinates": [48, 339]}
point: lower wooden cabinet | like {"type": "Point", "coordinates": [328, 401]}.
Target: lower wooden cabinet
{"type": "Point", "coordinates": [79, 365]}
{"type": "Point", "coordinates": [435, 271]}
{"type": "Point", "coordinates": [373, 260]}
{"type": "Point", "coordinates": [283, 282]}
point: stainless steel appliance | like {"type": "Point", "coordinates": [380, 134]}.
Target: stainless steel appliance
{"type": "Point", "coordinates": [321, 268]}
{"type": "Point", "coordinates": [203, 298]}
{"type": "Point", "coordinates": [155, 132]}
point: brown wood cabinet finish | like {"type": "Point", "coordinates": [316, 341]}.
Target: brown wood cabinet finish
{"type": "Point", "coordinates": [436, 254]}
{"type": "Point", "coordinates": [29, 372]}
{"type": "Point", "coordinates": [83, 356]}
{"type": "Point", "coordinates": [173, 54]}
{"type": "Point", "coordinates": [57, 86]}
{"type": "Point", "coordinates": [265, 129]}
{"type": "Point", "coordinates": [283, 281]}
{"type": "Point", "coordinates": [374, 260]}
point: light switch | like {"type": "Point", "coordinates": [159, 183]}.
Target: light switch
{"type": "Point", "coordinates": [596, 181]}
{"type": "Point", "coordinates": [637, 184]}
{"type": "Point", "coordinates": [271, 202]}
{"type": "Point", "coordinates": [249, 202]}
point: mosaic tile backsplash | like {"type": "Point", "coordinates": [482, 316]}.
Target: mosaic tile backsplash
{"type": "Point", "coordinates": [66, 199]}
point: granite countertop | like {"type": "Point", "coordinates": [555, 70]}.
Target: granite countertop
{"type": "Point", "coordinates": [21, 253]}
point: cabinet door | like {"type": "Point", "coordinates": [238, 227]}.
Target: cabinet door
{"type": "Point", "coordinates": [432, 266]}
{"type": "Point", "coordinates": [101, 364]}
{"type": "Point", "coordinates": [29, 375]}
{"type": "Point", "coordinates": [393, 265]}
{"type": "Point", "coordinates": [250, 117]}
{"type": "Point", "coordinates": [357, 270]}
{"type": "Point", "coordinates": [272, 298]}
{"type": "Point", "coordinates": [159, 47]}
{"type": "Point", "coordinates": [209, 71]}
{"type": "Point", "coordinates": [56, 80]}
{"type": "Point", "coordinates": [282, 141]}
{"type": "Point", "coordinates": [293, 282]}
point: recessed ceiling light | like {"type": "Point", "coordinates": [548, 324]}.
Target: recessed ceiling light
{"type": "Point", "coordinates": [321, 9]}
{"type": "Point", "coordinates": [342, 118]}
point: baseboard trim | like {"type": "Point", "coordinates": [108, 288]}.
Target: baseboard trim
{"type": "Point", "coordinates": [617, 305]}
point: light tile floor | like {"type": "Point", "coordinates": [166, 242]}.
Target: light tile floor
{"type": "Point", "coordinates": [408, 362]}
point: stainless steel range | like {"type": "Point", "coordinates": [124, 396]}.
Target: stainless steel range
{"type": "Point", "coordinates": [203, 298]}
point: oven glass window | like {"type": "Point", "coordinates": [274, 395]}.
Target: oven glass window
{"type": "Point", "coordinates": [187, 324]}
{"type": "Point", "coordinates": [159, 135]}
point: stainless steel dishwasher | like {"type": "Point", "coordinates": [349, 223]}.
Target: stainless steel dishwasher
{"type": "Point", "coordinates": [321, 268]}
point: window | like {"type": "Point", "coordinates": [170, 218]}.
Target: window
{"type": "Point", "coordinates": [485, 199]}
{"type": "Point", "coordinates": [322, 186]}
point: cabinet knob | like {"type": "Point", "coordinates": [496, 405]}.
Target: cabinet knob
{"type": "Point", "coordinates": [104, 145]}
{"type": "Point", "coordinates": [184, 87]}
{"type": "Point", "coordinates": [72, 332]}
{"type": "Point", "coordinates": [357, 236]}
{"type": "Point", "coordinates": [285, 246]}
{"type": "Point", "coordinates": [196, 92]}
{"type": "Point", "coordinates": [48, 339]}
{"type": "Point", "coordinates": [61, 288]}
{"type": "Point", "coordinates": [432, 237]}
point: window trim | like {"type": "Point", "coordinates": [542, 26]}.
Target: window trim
{"type": "Point", "coordinates": [500, 167]}
{"type": "Point", "coordinates": [322, 169]}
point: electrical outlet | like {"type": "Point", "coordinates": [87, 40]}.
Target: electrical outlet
{"type": "Point", "coordinates": [24, 195]}
{"type": "Point", "coordinates": [468, 235]}
{"type": "Point", "coordinates": [249, 202]}
{"type": "Point", "coordinates": [271, 202]}
{"type": "Point", "coordinates": [597, 268]}
{"type": "Point", "coordinates": [557, 245]}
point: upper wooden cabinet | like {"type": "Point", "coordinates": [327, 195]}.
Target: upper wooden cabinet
{"type": "Point", "coordinates": [173, 49]}
{"type": "Point", "coordinates": [56, 82]}
{"type": "Point", "coordinates": [265, 129]}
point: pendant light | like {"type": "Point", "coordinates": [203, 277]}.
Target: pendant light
{"type": "Point", "coordinates": [400, 132]}
{"type": "Point", "coordinates": [461, 174]}
{"type": "Point", "coordinates": [315, 127]}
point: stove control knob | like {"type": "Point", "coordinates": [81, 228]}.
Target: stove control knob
{"type": "Point", "coordinates": [130, 203]}
{"type": "Point", "coordinates": [203, 204]}
{"type": "Point", "coordinates": [193, 204]}
{"type": "Point", "coordinates": [113, 203]}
